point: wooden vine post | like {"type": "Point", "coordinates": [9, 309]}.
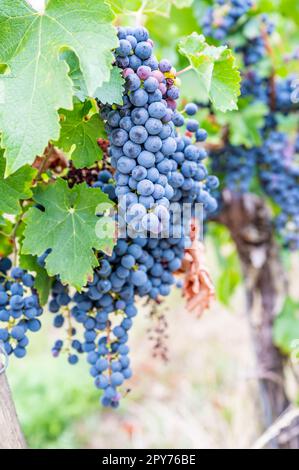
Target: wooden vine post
{"type": "Point", "coordinates": [11, 436]}
{"type": "Point", "coordinates": [249, 222]}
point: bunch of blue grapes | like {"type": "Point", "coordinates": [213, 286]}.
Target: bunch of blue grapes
{"type": "Point", "coordinates": [142, 131]}
{"type": "Point", "coordinates": [19, 308]}
{"type": "Point", "coordinates": [236, 165]}
{"type": "Point", "coordinates": [149, 167]}
{"type": "Point", "coordinates": [273, 163]}
{"type": "Point", "coordinates": [104, 309]}
{"type": "Point", "coordinates": [279, 176]}
{"type": "Point", "coordinates": [222, 18]}
{"type": "Point", "coordinates": [189, 176]}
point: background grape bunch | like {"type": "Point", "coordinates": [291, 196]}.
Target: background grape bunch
{"type": "Point", "coordinates": [272, 164]}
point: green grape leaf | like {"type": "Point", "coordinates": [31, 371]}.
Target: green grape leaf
{"type": "Point", "coordinates": [227, 283]}
{"type": "Point", "coordinates": [43, 281]}
{"type": "Point", "coordinates": [79, 133]}
{"type": "Point", "coordinates": [38, 84]}
{"type": "Point", "coordinates": [286, 326]}
{"type": "Point", "coordinates": [6, 229]}
{"type": "Point", "coordinates": [252, 29]}
{"type": "Point", "coordinates": [69, 227]}
{"type": "Point", "coordinates": [15, 187]}
{"type": "Point", "coordinates": [112, 92]}
{"type": "Point", "coordinates": [75, 74]}
{"type": "Point", "coordinates": [245, 124]}
{"type": "Point", "coordinates": [219, 78]}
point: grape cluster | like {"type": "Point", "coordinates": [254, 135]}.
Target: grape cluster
{"type": "Point", "coordinates": [222, 18]}
{"type": "Point", "coordinates": [19, 308]}
{"type": "Point", "coordinates": [279, 176]}
{"type": "Point", "coordinates": [142, 130]}
{"type": "Point", "coordinates": [150, 166]}
{"type": "Point", "coordinates": [236, 165]}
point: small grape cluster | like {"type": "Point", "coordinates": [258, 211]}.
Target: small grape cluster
{"type": "Point", "coordinates": [255, 86]}
{"type": "Point", "coordinates": [273, 163]}
{"type": "Point", "coordinates": [222, 18]}
{"type": "Point", "coordinates": [236, 165]}
{"type": "Point", "coordinates": [19, 308]}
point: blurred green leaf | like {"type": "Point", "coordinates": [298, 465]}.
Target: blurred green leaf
{"type": "Point", "coordinates": [230, 275]}
{"type": "Point", "coordinates": [246, 124]}
{"type": "Point", "coordinates": [182, 3]}
{"type": "Point", "coordinates": [110, 92]}
{"type": "Point", "coordinates": [287, 123]}
{"type": "Point", "coordinates": [158, 7]}
{"type": "Point", "coordinates": [228, 281]}
{"type": "Point", "coordinates": [42, 280]}
{"type": "Point", "coordinates": [286, 326]}
{"type": "Point", "coordinates": [252, 29]}
{"type": "Point", "coordinates": [6, 244]}
{"type": "Point", "coordinates": [154, 7]}
{"type": "Point", "coordinates": [50, 395]}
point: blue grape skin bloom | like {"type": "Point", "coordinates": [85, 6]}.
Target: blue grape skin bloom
{"type": "Point", "coordinates": [19, 308]}
{"type": "Point", "coordinates": [105, 310]}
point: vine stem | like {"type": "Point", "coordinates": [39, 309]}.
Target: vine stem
{"type": "Point", "coordinates": [47, 155]}
{"type": "Point", "coordinates": [186, 69]}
